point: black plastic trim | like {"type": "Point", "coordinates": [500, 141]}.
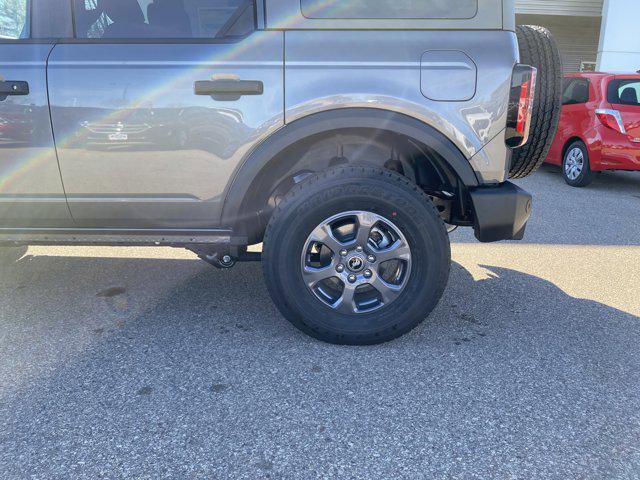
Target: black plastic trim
{"type": "Point", "coordinates": [501, 212]}
{"type": "Point", "coordinates": [121, 237]}
{"type": "Point", "coordinates": [328, 121]}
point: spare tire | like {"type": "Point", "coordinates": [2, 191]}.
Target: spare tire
{"type": "Point", "coordinates": [539, 49]}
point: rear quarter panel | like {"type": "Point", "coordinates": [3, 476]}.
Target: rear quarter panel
{"type": "Point", "coordinates": [382, 69]}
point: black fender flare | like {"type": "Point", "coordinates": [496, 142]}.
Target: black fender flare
{"type": "Point", "coordinates": [327, 121]}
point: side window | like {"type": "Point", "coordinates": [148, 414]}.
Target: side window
{"type": "Point", "coordinates": [163, 19]}
{"type": "Point", "coordinates": [575, 91]}
{"type": "Point", "coordinates": [389, 9]}
{"type": "Point", "coordinates": [567, 87]}
{"type": "Point", "coordinates": [14, 19]}
{"type": "Point", "coordinates": [624, 92]}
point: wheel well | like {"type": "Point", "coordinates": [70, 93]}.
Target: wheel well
{"type": "Point", "coordinates": [397, 152]}
{"type": "Point", "coordinates": [568, 144]}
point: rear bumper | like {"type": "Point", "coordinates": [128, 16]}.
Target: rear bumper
{"type": "Point", "coordinates": [619, 157]}
{"type": "Point", "coordinates": [501, 212]}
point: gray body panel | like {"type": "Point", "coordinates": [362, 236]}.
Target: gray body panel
{"type": "Point", "coordinates": [383, 69]}
{"type": "Point", "coordinates": [139, 148]}
{"type": "Point", "coordinates": [31, 193]}
{"type": "Point", "coordinates": [136, 148]}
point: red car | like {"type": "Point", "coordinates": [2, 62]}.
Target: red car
{"type": "Point", "coordinates": [599, 126]}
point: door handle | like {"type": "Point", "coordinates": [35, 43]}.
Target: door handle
{"type": "Point", "coordinates": [228, 90]}
{"type": "Point", "coordinates": [11, 87]}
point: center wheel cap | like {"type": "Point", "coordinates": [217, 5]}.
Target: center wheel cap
{"type": "Point", "coordinates": [355, 264]}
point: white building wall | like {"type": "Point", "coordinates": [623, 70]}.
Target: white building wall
{"type": "Point", "coordinates": [577, 37]}
{"type": "Point", "coordinates": [584, 8]}
{"type": "Point", "coordinates": [619, 49]}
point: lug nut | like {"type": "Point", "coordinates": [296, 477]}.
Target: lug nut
{"type": "Point", "coordinates": [371, 259]}
{"type": "Point", "coordinates": [368, 274]}
{"type": "Point", "coordinates": [343, 253]}
{"type": "Point", "coordinates": [359, 249]}
{"type": "Point", "coordinates": [226, 259]}
{"type": "Point", "coordinates": [340, 268]}
{"type": "Point", "coordinates": [352, 278]}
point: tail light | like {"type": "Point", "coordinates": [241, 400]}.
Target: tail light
{"type": "Point", "coordinates": [523, 88]}
{"type": "Point", "coordinates": [611, 119]}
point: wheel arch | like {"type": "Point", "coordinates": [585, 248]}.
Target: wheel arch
{"type": "Point", "coordinates": [265, 156]}
{"type": "Point", "coordinates": [570, 141]}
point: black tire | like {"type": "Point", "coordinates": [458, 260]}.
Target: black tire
{"type": "Point", "coordinates": [538, 48]}
{"type": "Point", "coordinates": [346, 189]}
{"type": "Point", "coordinates": [585, 176]}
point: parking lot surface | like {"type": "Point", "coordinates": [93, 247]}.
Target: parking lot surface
{"type": "Point", "coordinates": [148, 363]}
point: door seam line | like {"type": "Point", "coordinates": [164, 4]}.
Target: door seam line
{"type": "Point", "coordinates": [53, 133]}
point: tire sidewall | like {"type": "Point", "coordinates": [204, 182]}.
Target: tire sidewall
{"type": "Point", "coordinates": [425, 234]}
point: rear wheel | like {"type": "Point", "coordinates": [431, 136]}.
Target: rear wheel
{"type": "Point", "coordinates": [575, 165]}
{"type": "Point", "coordinates": [356, 255]}
{"type": "Point", "coordinates": [538, 48]}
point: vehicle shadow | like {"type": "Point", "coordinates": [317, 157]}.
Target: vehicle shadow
{"type": "Point", "coordinates": [177, 369]}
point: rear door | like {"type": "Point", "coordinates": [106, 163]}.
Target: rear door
{"type": "Point", "coordinates": [31, 192]}
{"type": "Point", "coordinates": [155, 103]}
{"type": "Point", "coordinates": [576, 102]}
{"type": "Point", "coordinates": [577, 99]}
{"type": "Point", "coordinates": [624, 95]}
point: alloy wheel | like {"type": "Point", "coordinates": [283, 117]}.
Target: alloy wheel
{"type": "Point", "coordinates": [356, 262]}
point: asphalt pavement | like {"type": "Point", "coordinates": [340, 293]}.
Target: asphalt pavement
{"type": "Point", "coordinates": [148, 363]}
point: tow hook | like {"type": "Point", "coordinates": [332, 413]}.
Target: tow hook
{"type": "Point", "coordinates": [226, 260]}
{"type": "Point", "coordinates": [222, 261]}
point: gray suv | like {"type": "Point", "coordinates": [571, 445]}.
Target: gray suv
{"type": "Point", "coordinates": [346, 136]}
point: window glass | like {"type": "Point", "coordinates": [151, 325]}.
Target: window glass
{"type": "Point", "coordinates": [624, 92]}
{"type": "Point", "coordinates": [129, 19]}
{"type": "Point", "coordinates": [389, 9]}
{"type": "Point", "coordinates": [576, 90]}
{"type": "Point", "coordinates": [51, 19]}
{"type": "Point", "coordinates": [14, 19]}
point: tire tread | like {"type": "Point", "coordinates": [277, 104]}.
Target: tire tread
{"type": "Point", "coordinates": [538, 48]}
{"type": "Point", "coordinates": [327, 178]}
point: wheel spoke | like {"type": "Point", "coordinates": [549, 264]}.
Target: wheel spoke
{"type": "Point", "coordinates": [346, 303]}
{"type": "Point", "coordinates": [354, 263]}
{"type": "Point", "coordinates": [398, 251]}
{"type": "Point", "coordinates": [366, 221]}
{"type": "Point", "coordinates": [324, 235]}
{"type": "Point", "coordinates": [313, 276]}
{"type": "Point", "coordinates": [574, 164]}
{"type": "Point", "coordinates": [387, 291]}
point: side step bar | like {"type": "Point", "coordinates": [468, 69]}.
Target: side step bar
{"type": "Point", "coordinates": [120, 237]}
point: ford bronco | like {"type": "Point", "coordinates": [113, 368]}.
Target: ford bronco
{"type": "Point", "coordinates": [345, 136]}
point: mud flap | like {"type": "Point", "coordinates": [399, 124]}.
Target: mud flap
{"type": "Point", "coordinates": [501, 212]}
